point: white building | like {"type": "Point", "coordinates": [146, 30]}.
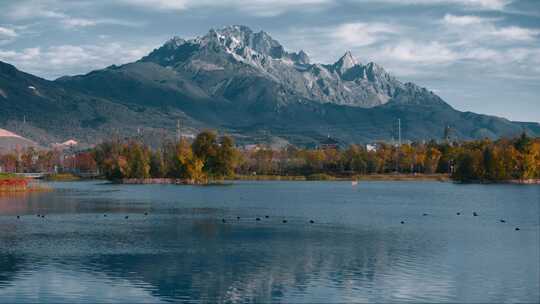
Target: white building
{"type": "Point", "coordinates": [371, 147]}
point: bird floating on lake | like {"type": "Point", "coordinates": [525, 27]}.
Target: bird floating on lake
{"type": "Point", "coordinates": [517, 229]}
{"type": "Point", "coordinates": [425, 214]}
{"type": "Point", "coordinates": [224, 220]}
{"type": "Point", "coordinates": [126, 217]}
{"type": "Point", "coordinates": [458, 213]}
{"type": "Point", "coordinates": [502, 221]}
{"type": "Point", "coordinates": [266, 216]}
{"type": "Point", "coordinates": [258, 219]}
{"type": "Point", "coordinates": [284, 221]}
{"type": "Point", "coordinates": [475, 214]}
{"type": "Point", "coordinates": [311, 221]}
{"type": "Point", "coordinates": [402, 222]}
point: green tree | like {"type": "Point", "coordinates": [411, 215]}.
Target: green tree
{"type": "Point", "coordinates": [523, 142]}
{"type": "Point", "coordinates": [227, 158]}
{"type": "Point", "coordinates": [464, 168]}
{"type": "Point", "coordinates": [158, 168]}
{"type": "Point", "coordinates": [205, 148]}
{"type": "Point", "coordinates": [138, 159]}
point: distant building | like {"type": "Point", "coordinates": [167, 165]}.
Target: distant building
{"type": "Point", "coordinates": [65, 145]}
{"type": "Point", "coordinates": [329, 143]}
{"type": "Point", "coordinates": [251, 148]}
{"type": "Point", "coordinates": [372, 147]}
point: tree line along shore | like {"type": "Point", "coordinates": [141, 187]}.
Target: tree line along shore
{"type": "Point", "coordinates": [209, 158]}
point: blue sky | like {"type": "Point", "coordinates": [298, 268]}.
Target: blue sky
{"type": "Point", "coordinates": [478, 55]}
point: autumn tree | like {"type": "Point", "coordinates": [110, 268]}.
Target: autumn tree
{"type": "Point", "coordinates": [431, 161]}
{"type": "Point", "coordinates": [205, 148]}
{"type": "Point", "coordinates": [227, 158]}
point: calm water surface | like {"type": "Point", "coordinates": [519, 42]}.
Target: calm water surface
{"type": "Point", "coordinates": [356, 250]}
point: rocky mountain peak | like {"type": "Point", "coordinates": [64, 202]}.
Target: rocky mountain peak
{"type": "Point", "coordinates": [300, 57]}
{"type": "Point", "coordinates": [346, 62]}
{"type": "Point", "coordinates": [174, 42]}
{"type": "Point", "coordinates": [237, 51]}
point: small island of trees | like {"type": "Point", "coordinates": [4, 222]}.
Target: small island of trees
{"type": "Point", "coordinates": [194, 163]}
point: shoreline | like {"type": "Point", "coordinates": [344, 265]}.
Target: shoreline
{"type": "Point", "coordinates": [531, 181]}
{"type": "Point", "coordinates": [367, 177]}
{"type": "Point", "coordinates": [156, 181]}
{"type": "Point", "coordinates": [314, 177]}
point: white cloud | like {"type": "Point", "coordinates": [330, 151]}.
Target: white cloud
{"type": "Point", "coordinates": [254, 7]}
{"type": "Point", "coordinates": [69, 22]}
{"type": "Point", "coordinates": [362, 34]}
{"type": "Point", "coordinates": [274, 7]}
{"type": "Point", "coordinates": [7, 33]}
{"type": "Point", "coordinates": [482, 4]}
{"type": "Point", "coordinates": [515, 33]}
{"type": "Point", "coordinates": [56, 61]}
{"type": "Point", "coordinates": [471, 29]}
{"type": "Point", "coordinates": [419, 52]}
{"type": "Point", "coordinates": [32, 9]}
{"type": "Point", "coordinates": [78, 22]}
{"type": "Point", "coordinates": [450, 19]}
{"type": "Point", "coordinates": [335, 39]}
{"type": "Point", "coordinates": [159, 4]}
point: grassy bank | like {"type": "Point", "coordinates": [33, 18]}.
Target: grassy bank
{"type": "Point", "coordinates": [62, 177]}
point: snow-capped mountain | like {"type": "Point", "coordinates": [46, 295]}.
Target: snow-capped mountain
{"type": "Point", "coordinates": [240, 82]}
{"type": "Point", "coordinates": [240, 51]}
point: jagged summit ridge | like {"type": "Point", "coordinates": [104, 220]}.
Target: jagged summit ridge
{"type": "Point", "coordinates": [225, 59]}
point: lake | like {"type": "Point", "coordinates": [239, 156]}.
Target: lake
{"type": "Point", "coordinates": [191, 246]}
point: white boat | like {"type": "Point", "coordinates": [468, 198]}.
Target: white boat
{"type": "Point", "coordinates": [354, 183]}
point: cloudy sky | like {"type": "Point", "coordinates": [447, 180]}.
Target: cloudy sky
{"type": "Point", "coordinates": [479, 55]}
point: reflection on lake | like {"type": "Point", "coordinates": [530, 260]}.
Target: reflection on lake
{"type": "Point", "coordinates": [355, 251]}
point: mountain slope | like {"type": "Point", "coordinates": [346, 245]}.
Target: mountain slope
{"type": "Point", "coordinates": [46, 112]}
{"type": "Point", "coordinates": [10, 141]}
{"type": "Point", "coordinates": [240, 82]}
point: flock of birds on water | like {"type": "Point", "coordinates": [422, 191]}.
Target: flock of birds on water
{"type": "Point", "coordinates": [284, 221]}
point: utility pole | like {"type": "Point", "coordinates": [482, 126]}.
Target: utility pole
{"type": "Point", "coordinates": [399, 130]}
{"type": "Point", "coordinates": [178, 134]}
{"type": "Point", "coordinates": [398, 145]}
